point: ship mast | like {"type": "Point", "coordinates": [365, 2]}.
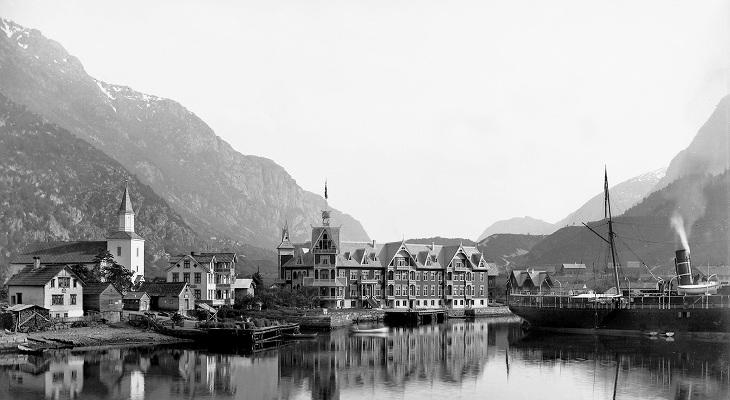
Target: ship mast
{"type": "Point", "coordinates": [611, 234]}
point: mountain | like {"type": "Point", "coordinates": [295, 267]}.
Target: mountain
{"type": "Point", "coordinates": [645, 232]}
{"type": "Point", "coordinates": [691, 197]}
{"type": "Point", "coordinates": [709, 151]}
{"type": "Point", "coordinates": [55, 186]}
{"type": "Point", "coordinates": [504, 248]}
{"type": "Point", "coordinates": [441, 241]}
{"type": "Point", "coordinates": [518, 225]}
{"type": "Point", "coordinates": [218, 191]}
{"type": "Point", "coordinates": [623, 196]}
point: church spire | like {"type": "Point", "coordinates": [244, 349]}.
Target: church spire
{"type": "Point", "coordinates": [126, 206]}
{"type": "Point", "coordinates": [126, 212]}
{"type": "Point", "coordinates": [285, 241]}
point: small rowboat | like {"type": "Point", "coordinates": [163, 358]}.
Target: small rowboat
{"type": "Point", "coordinates": [28, 350]}
{"type": "Point", "coordinates": [300, 336]}
{"type": "Point", "coordinates": [370, 331]}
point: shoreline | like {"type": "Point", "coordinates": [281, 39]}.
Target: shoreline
{"type": "Point", "coordinates": [119, 334]}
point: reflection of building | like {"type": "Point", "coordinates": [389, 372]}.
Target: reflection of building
{"type": "Point", "coordinates": [56, 379]}
{"type": "Point", "coordinates": [393, 275]}
{"type": "Point", "coordinates": [446, 352]}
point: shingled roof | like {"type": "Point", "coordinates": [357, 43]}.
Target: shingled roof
{"type": "Point", "coordinates": [126, 206]}
{"type": "Point", "coordinates": [95, 288]}
{"type": "Point", "coordinates": [80, 252]}
{"type": "Point", "coordinates": [163, 288]}
{"type": "Point", "coordinates": [32, 276]}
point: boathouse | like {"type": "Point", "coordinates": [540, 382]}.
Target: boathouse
{"type": "Point", "coordinates": [136, 301]}
{"type": "Point", "coordinates": [169, 296]}
{"type": "Point", "coordinates": [103, 298]}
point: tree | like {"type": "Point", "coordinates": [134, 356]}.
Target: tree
{"type": "Point", "coordinates": [105, 269]}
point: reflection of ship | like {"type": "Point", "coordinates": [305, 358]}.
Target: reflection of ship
{"type": "Point", "coordinates": [690, 308]}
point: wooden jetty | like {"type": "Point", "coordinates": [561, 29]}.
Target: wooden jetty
{"type": "Point", "coordinates": [415, 317]}
{"type": "Point", "coordinates": [241, 337]}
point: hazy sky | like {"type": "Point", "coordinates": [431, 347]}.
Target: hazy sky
{"type": "Point", "coordinates": [426, 117]}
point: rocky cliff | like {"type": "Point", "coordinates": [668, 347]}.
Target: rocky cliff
{"type": "Point", "coordinates": [217, 190]}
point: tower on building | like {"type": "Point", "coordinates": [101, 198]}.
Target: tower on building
{"type": "Point", "coordinates": [124, 243]}
{"type": "Point", "coordinates": [285, 249]}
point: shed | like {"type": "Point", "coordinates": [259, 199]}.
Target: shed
{"type": "Point", "coordinates": [136, 301]}
{"type": "Point", "coordinates": [29, 317]}
{"type": "Point", "coordinates": [169, 296]}
{"type": "Point", "coordinates": [103, 298]}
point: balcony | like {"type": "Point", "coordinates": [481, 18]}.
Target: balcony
{"type": "Point", "coordinates": [338, 281]}
{"type": "Point", "coordinates": [368, 280]}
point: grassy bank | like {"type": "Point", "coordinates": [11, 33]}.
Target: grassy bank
{"type": "Point", "coordinates": [100, 335]}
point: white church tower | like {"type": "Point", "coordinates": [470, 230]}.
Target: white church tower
{"type": "Point", "coordinates": [124, 244]}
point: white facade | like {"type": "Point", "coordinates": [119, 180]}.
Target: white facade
{"type": "Point", "coordinates": [125, 245]}
{"type": "Point", "coordinates": [62, 295]}
{"type": "Point", "coordinates": [209, 279]}
{"type": "Point", "coordinates": [129, 253]}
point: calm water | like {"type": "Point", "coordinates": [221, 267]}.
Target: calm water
{"type": "Point", "coordinates": [470, 360]}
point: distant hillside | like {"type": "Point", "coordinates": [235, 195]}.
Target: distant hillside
{"type": "Point", "coordinates": [504, 248]}
{"type": "Point", "coordinates": [438, 240]}
{"type": "Point", "coordinates": [217, 190]}
{"type": "Point", "coordinates": [709, 151]}
{"type": "Point", "coordinates": [519, 225]}
{"type": "Point", "coordinates": [623, 196]}
{"type": "Point", "coordinates": [645, 233]}
{"type": "Point", "coordinates": [54, 186]}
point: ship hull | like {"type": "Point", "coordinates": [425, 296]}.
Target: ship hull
{"type": "Point", "coordinates": [709, 323]}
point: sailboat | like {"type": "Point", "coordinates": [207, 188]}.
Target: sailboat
{"type": "Point", "coordinates": [688, 309]}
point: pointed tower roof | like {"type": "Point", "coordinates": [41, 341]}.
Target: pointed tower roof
{"type": "Point", "coordinates": [126, 206]}
{"type": "Point", "coordinates": [285, 242]}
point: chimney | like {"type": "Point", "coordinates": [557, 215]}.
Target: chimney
{"type": "Point", "coordinates": [683, 267]}
{"type": "Point", "coordinates": [192, 253]}
{"type": "Point", "coordinates": [36, 262]}
{"type": "Point", "coordinates": [373, 243]}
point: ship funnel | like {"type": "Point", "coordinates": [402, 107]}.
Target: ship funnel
{"type": "Point", "coordinates": [683, 267]}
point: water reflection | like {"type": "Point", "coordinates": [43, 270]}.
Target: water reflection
{"type": "Point", "coordinates": [459, 359]}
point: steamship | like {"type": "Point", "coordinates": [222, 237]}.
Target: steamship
{"type": "Point", "coordinates": [682, 307]}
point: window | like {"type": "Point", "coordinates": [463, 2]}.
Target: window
{"type": "Point", "coordinates": [64, 282]}
{"type": "Point", "coordinates": [74, 281]}
{"type": "Point", "coordinates": [197, 278]}
{"type": "Point", "coordinates": [12, 300]}
{"type": "Point", "coordinates": [377, 275]}
{"type": "Point", "coordinates": [119, 251]}
{"type": "Point", "coordinates": [325, 260]}
{"type": "Point", "coordinates": [137, 251]}
{"type": "Point", "coordinates": [53, 283]}
{"type": "Point", "coordinates": [176, 277]}
{"type": "Point", "coordinates": [57, 299]}
{"type": "Point", "coordinates": [288, 275]}
{"type": "Point", "coordinates": [481, 290]}
{"type": "Point", "coordinates": [197, 294]}
{"type": "Point", "coordinates": [186, 277]}
{"type": "Point", "coordinates": [440, 291]}
{"type": "Point", "coordinates": [73, 300]}
{"type": "Point", "coordinates": [397, 290]}
{"type": "Point", "coordinates": [433, 276]}
{"type": "Point", "coordinates": [353, 274]}
{"type": "Point", "coordinates": [186, 264]}
{"type": "Point", "coordinates": [353, 292]}
{"type": "Point", "coordinates": [458, 264]}
{"type": "Point", "coordinates": [433, 290]}
{"type": "Point", "coordinates": [418, 290]}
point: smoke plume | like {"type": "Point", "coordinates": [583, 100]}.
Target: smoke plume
{"type": "Point", "coordinates": [678, 225]}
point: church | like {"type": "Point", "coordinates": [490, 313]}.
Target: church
{"type": "Point", "coordinates": [122, 242]}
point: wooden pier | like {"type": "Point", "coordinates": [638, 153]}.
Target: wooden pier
{"type": "Point", "coordinates": [415, 317]}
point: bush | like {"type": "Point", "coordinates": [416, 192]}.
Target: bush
{"type": "Point", "coordinates": [79, 324]}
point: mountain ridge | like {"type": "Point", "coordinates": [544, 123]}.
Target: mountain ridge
{"type": "Point", "coordinates": [216, 189]}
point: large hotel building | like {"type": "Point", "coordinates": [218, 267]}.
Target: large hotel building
{"type": "Point", "coordinates": [390, 275]}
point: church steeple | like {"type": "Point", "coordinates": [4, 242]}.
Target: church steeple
{"type": "Point", "coordinates": [126, 212]}
{"type": "Point", "coordinates": [285, 240]}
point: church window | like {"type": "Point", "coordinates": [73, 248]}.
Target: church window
{"type": "Point", "coordinates": [137, 251]}
{"type": "Point", "coordinates": [119, 251]}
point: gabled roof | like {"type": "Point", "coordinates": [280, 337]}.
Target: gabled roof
{"type": "Point", "coordinates": [243, 283]}
{"type": "Point", "coordinates": [220, 256]}
{"type": "Point", "coordinates": [79, 252]}
{"type": "Point", "coordinates": [31, 276]}
{"type": "Point", "coordinates": [21, 307]}
{"type": "Point", "coordinates": [123, 235]}
{"type": "Point", "coordinates": [97, 288]}
{"type": "Point", "coordinates": [163, 288]}
{"type": "Point", "coordinates": [135, 295]}
{"type": "Point", "coordinates": [334, 235]}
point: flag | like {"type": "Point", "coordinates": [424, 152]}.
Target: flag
{"type": "Point", "coordinates": [325, 189]}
